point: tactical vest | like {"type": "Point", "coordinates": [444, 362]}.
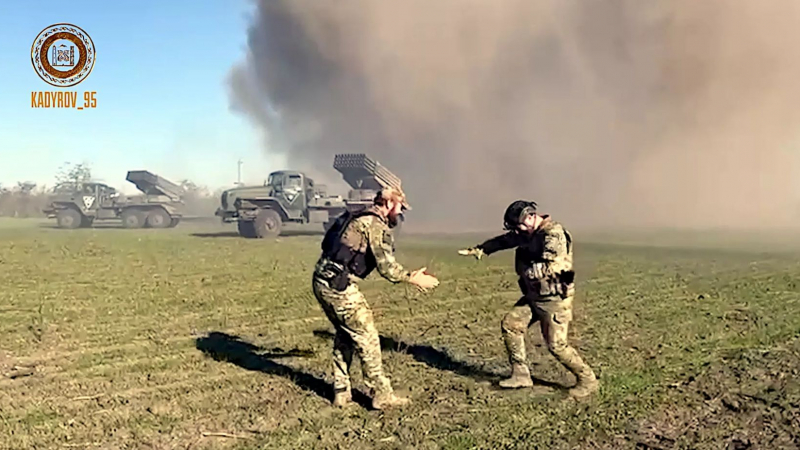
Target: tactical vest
{"type": "Point", "coordinates": [342, 260]}
{"type": "Point", "coordinates": [531, 253]}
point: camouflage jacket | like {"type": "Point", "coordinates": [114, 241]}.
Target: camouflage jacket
{"type": "Point", "coordinates": [543, 259]}
{"type": "Point", "coordinates": [356, 246]}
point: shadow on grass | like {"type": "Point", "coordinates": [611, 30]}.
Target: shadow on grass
{"type": "Point", "coordinates": [232, 349]}
{"type": "Point", "coordinates": [284, 234]}
{"type": "Point", "coordinates": [95, 226]}
{"type": "Point", "coordinates": [440, 360]}
{"type": "Point", "coordinates": [220, 234]}
{"type": "Point", "coordinates": [111, 225]}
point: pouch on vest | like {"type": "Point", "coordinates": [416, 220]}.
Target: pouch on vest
{"type": "Point", "coordinates": [566, 283]}
{"type": "Point", "coordinates": [562, 284]}
{"type": "Point", "coordinates": [535, 288]}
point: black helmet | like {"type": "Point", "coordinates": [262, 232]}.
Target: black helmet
{"type": "Point", "coordinates": [516, 212]}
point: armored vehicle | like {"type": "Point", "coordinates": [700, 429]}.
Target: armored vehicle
{"type": "Point", "coordinates": [75, 205]}
{"type": "Point", "coordinates": [292, 197]}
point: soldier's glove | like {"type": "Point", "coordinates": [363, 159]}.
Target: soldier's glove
{"type": "Point", "coordinates": [474, 251]}
{"type": "Point", "coordinates": [536, 272]}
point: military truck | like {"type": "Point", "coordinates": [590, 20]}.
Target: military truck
{"type": "Point", "coordinates": [292, 197]}
{"type": "Point", "coordinates": [76, 205]}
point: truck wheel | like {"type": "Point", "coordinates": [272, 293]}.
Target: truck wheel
{"type": "Point", "coordinates": [158, 218]}
{"type": "Point", "coordinates": [86, 222]}
{"type": "Point", "coordinates": [246, 228]}
{"type": "Point", "coordinates": [133, 218]}
{"type": "Point", "coordinates": [174, 222]}
{"type": "Point", "coordinates": [267, 224]}
{"type": "Point", "coordinates": [69, 218]}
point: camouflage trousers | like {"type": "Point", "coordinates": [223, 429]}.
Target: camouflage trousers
{"type": "Point", "coordinates": [352, 318]}
{"type": "Point", "coordinates": [554, 317]}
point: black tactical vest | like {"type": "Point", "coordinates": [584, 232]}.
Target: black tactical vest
{"type": "Point", "coordinates": [350, 260]}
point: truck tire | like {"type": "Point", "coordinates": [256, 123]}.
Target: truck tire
{"type": "Point", "coordinates": [174, 222]}
{"type": "Point", "coordinates": [246, 228]}
{"type": "Point", "coordinates": [69, 218]}
{"type": "Point", "coordinates": [86, 222]}
{"type": "Point", "coordinates": [267, 224]}
{"type": "Point", "coordinates": [158, 218]}
{"type": "Point", "coordinates": [133, 218]}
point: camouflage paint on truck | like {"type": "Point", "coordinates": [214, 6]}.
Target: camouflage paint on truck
{"type": "Point", "coordinates": [292, 197]}
{"type": "Point", "coordinates": [160, 205]}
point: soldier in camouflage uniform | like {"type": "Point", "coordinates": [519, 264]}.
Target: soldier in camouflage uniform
{"type": "Point", "coordinates": [355, 245]}
{"type": "Point", "coordinates": [544, 265]}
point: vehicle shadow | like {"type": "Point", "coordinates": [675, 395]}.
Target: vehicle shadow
{"type": "Point", "coordinates": [440, 360]}
{"type": "Point", "coordinates": [284, 234]}
{"type": "Point", "coordinates": [110, 225]}
{"type": "Point", "coordinates": [229, 348]}
{"type": "Point", "coordinates": [219, 234]}
{"type": "Point", "coordinates": [95, 226]}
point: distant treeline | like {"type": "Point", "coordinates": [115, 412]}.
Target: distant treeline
{"type": "Point", "coordinates": [200, 201]}
{"type": "Point", "coordinates": [23, 200]}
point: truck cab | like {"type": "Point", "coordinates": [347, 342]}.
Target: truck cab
{"type": "Point", "coordinates": [87, 197]}
{"type": "Point", "coordinates": [296, 193]}
{"type": "Point", "coordinates": [292, 190]}
{"type": "Point", "coordinates": [289, 192]}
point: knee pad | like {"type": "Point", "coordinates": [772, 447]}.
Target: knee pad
{"type": "Point", "coordinates": [512, 324]}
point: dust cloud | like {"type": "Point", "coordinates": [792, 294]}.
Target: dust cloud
{"type": "Point", "coordinates": [623, 113]}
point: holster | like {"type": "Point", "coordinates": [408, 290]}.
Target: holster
{"type": "Point", "coordinates": [335, 275]}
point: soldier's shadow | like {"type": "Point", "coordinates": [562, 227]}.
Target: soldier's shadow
{"type": "Point", "coordinates": [229, 348]}
{"type": "Point", "coordinates": [440, 360]}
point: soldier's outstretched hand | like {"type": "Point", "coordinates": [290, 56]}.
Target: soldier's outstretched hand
{"type": "Point", "coordinates": [476, 252]}
{"type": "Point", "coordinates": [423, 281]}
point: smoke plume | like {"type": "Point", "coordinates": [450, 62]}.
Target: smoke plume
{"type": "Point", "coordinates": [677, 113]}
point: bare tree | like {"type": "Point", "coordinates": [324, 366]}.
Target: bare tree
{"type": "Point", "coordinates": [27, 199]}
{"type": "Point", "coordinates": [199, 200]}
{"type": "Point", "coordinates": [73, 174]}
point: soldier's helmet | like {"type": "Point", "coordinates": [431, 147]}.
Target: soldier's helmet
{"type": "Point", "coordinates": [516, 213]}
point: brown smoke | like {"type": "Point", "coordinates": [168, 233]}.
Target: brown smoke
{"type": "Point", "coordinates": [605, 113]}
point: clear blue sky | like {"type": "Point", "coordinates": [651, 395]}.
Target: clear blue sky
{"type": "Point", "coordinates": [162, 102]}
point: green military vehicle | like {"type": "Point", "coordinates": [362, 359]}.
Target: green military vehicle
{"type": "Point", "coordinates": [76, 205]}
{"type": "Point", "coordinates": [291, 197]}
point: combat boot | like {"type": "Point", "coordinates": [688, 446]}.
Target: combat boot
{"type": "Point", "coordinates": [343, 398]}
{"type": "Point", "coordinates": [383, 401]}
{"type": "Point", "coordinates": [520, 377]}
{"type": "Point", "coordinates": [587, 385]}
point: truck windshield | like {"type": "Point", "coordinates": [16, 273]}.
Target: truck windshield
{"type": "Point", "coordinates": [294, 181]}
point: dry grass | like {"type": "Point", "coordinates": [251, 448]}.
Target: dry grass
{"type": "Point", "coordinates": [194, 338]}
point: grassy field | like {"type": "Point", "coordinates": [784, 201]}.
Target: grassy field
{"type": "Point", "coordinates": [195, 338]}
